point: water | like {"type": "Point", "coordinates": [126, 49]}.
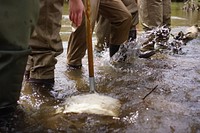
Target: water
{"type": "Point", "coordinates": [173, 107]}
{"type": "Point", "coordinates": [182, 17]}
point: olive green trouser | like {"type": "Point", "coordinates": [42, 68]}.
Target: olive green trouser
{"type": "Point", "coordinates": [46, 42]}
{"type": "Point", "coordinates": [116, 12]}
{"type": "Point", "coordinates": [155, 13]}
{"type": "Point", "coordinates": [18, 17]}
{"type": "Point", "coordinates": [103, 25]}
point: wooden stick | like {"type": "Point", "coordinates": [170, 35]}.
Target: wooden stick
{"type": "Point", "coordinates": [149, 92]}
{"type": "Point", "coordinates": [89, 45]}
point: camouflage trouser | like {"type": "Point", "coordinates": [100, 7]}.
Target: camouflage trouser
{"type": "Point", "coordinates": [120, 28]}
{"type": "Point", "coordinates": [46, 42]}
{"type": "Point", "coordinates": [17, 20]}
{"type": "Point", "coordinates": [103, 25]}
{"type": "Point", "coordinates": [155, 13]}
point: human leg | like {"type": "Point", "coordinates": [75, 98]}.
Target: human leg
{"type": "Point", "coordinates": [77, 42]}
{"type": "Point", "coordinates": [14, 48]}
{"type": "Point", "coordinates": [120, 19]}
{"type": "Point", "coordinates": [45, 42]}
{"type": "Point", "coordinates": [151, 13]}
{"type": "Point", "coordinates": [102, 33]}
{"type": "Point", "coordinates": [103, 25]}
{"type": "Point", "coordinates": [132, 7]}
{"type": "Point", "coordinates": [167, 12]}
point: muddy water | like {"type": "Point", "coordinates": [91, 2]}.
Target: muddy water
{"type": "Point", "coordinates": [173, 107]}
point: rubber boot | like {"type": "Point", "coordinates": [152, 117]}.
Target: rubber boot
{"type": "Point", "coordinates": [132, 35]}
{"type": "Point", "coordinates": [113, 49]}
{"type": "Point", "coordinates": [12, 67]}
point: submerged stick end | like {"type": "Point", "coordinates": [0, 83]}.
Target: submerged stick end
{"type": "Point", "coordinates": [92, 84]}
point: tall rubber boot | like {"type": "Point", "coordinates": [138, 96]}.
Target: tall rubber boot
{"type": "Point", "coordinates": [113, 49]}
{"type": "Point", "coordinates": [12, 67]}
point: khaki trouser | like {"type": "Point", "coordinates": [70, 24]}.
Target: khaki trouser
{"type": "Point", "coordinates": [103, 25]}
{"type": "Point", "coordinates": [18, 18]}
{"type": "Point", "coordinates": [155, 13]}
{"type": "Point", "coordinates": [45, 42]}
{"type": "Point", "coordinates": [119, 29]}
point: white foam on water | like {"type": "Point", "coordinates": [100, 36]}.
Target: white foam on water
{"type": "Point", "coordinates": [92, 104]}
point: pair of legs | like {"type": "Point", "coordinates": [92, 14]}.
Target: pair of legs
{"type": "Point", "coordinates": [103, 26]}
{"type": "Point", "coordinates": [155, 13]}
{"type": "Point", "coordinates": [119, 17]}
{"type": "Point", "coordinates": [15, 29]}
{"type": "Point", "coordinates": [45, 42]}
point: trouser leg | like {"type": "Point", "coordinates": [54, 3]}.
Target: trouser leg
{"type": "Point", "coordinates": [119, 17]}
{"type": "Point", "coordinates": [77, 46]}
{"type": "Point", "coordinates": [133, 30]}
{"type": "Point", "coordinates": [46, 43]}
{"type": "Point", "coordinates": [151, 13]}
{"type": "Point", "coordinates": [132, 7]}
{"type": "Point", "coordinates": [102, 33]}
{"type": "Point", "coordinates": [103, 25]}
{"type": "Point", "coordinates": [14, 34]}
{"type": "Point", "coordinates": [120, 23]}
{"type": "Point", "coordinates": [77, 42]}
{"type": "Point", "coordinates": [11, 76]}
{"type": "Point", "coordinates": [167, 12]}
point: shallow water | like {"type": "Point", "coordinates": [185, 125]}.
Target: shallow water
{"type": "Point", "coordinates": [173, 107]}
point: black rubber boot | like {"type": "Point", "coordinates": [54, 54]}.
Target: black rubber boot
{"type": "Point", "coordinates": [113, 49]}
{"type": "Point", "coordinates": [132, 35]}
{"type": "Point", "coordinates": [12, 67]}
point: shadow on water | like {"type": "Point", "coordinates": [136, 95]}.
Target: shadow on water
{"type": "Point", "coordinates": [173, 107]}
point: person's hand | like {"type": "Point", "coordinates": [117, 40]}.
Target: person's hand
{"type": "Point", "coordinates": [76, 9]}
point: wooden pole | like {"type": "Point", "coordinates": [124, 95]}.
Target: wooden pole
{"type": "Point", "coordinates": [89, 45]}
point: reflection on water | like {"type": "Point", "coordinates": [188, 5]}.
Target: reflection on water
{"type": "Point", "coordinates": [188, 18]}
{"type": "Point", "coordinates": [172, 108]}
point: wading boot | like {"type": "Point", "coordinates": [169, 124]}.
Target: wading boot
{"type": "Point", "coordinates": [48, 82]}
{"type": "Point", "coordinates": [132, 35]}
{"type": "Point", "coordinates": [113, 49]}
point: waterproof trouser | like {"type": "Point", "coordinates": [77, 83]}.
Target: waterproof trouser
{"type": "Point", "coordinates": [113, 10]}
{"type": "Point", "coordinates": [45, 42]}
{"type": "Point", "coordinates": [103, 25]}
{"type": "Point", "coordinates": [155, 13]}
{"type": "Point", "coordinates": [17, 21]}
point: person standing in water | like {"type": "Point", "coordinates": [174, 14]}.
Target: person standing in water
{"type": "Point", "coordinates": [46, 43]}
{"type": "Point", "coordinates": [103, 26]}
{"type": "Point", "coordinates": [119, 17]}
